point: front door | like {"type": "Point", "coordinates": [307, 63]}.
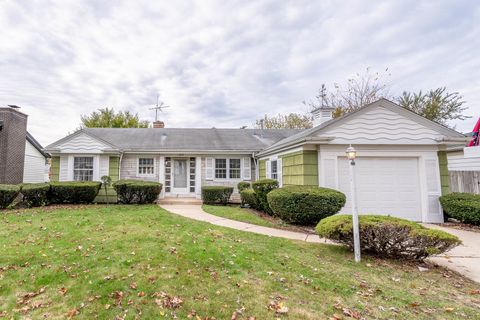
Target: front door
{"type": "Point", "coordinates": [180, 176]}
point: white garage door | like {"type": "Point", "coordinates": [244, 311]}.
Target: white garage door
{"type": "Point", "coordinates": [386, 186]}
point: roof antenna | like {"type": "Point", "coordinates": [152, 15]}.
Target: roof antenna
{"type": "Point", "coordinates": [159, 106]}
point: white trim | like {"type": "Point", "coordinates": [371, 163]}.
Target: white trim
{"type": "Point", "coordinates": [161, 175]}
{"type": "Point", "coordinates": [174, 190]}
{"type": "Point", "coordinates": [227, 179]}
{"type": "Point", "coordinates": [198, 177]}
{"type": "Point", "coordinates": [96, 165]}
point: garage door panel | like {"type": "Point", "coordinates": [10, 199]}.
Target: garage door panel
{"type": "Point", "coordinates": [385, 186]}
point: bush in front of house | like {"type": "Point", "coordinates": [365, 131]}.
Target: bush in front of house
{"type": "Point", "coordinates": [262, 187]}
{"type": "Point", "coordinates": [35, 194]}
{"type": "Point", "coordinates": [305, 205]}
{"type": "Point", "coordinates": [248, 197]}
{"type": "Point", "coordinates": [216, 194]}
{"type": "Point", "coordinates": [73, 192]}
{"type": "Point", "coordinates": [464, 207]}
{"type": "Point", "coordinates": [388, 236]}
{"type": "Point", "coordinates": [243, 185]}
{"type": "Point", "coordinates": [137, 191]}
{"type": "Point", "coordinates": [8, 193]}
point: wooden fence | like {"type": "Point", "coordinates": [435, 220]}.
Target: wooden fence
{"type": "Point", "coordinates": [464, 181]}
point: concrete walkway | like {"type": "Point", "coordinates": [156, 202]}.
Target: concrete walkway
{"type": "Point", "coordinates": [464, 259]}
{"type": "Point", "coordinates": [196, 212]}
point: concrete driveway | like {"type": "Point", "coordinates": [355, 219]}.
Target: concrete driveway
{"type": "Point", "coordinates": [465, 259]}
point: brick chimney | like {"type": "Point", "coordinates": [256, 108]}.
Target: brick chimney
{"type": "Point", "coordinates": [13, 135]}
{"type": "Point", "coordinates": [158, 124]}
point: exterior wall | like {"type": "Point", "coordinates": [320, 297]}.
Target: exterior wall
{"type": "Point", "coordinates": [444, 179]}
{"type": "Point", "coordinates": [375, 125]}
{"type": "Point", "coordinates": [227, 182]}
{"type": "Point", "coordinates": [300, 168]}
{"type": "Point", "coordinates": [55, 169]}
{"type": "Point", "coordinates": [262, 172]}
{"type": "Point", "coordinates": [109, 166]}
{"type": "Point", "coordinates": [428, 171]}
{"type": "Point", "coordinates": [12, 145]}
{"type": "Point", "coordinates": [35, 166]}
{"type": "Point", "coordinates": [457, 162]}
{"type": "Point", "coordinates": [82, 143]}
{"type": "Point", "coordinates": [129, 167]}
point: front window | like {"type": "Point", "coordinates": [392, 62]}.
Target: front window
{"type": "Point", "coordinates": [235, 169]}
{"type": "Point", "coordinates": [220, 168]}
{"type": "Point", "coordinates": [274, 170]}
{"type": "Point", "coordinates": [146, 166]}
{"type": "Point", "coordinates": [83, 168]}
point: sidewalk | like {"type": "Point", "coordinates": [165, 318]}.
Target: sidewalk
{"type": "Point", "coordinates": [196, 212]}
{"type": "Point", "coordinates": [464, 259]}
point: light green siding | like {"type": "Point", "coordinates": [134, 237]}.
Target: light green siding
{"type": "Point", "coordinates": [262, 173]}
{"type": "Point", "coordinates": [300, 168]}
{"type": "Point", "coordinates": [443, 163]}
{"type": "Point", "coordinates": [113, 173]}
{"type": "Point", "coordinates": [55, 169]}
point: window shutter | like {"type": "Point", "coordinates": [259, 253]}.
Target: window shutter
{"type": "Point", "coordinates": [247, 169]}
{"type": "Point", "coordinates": [268, 169]}
{"type": "Point", "coordinates": [279, 172]}
{"type": "Point", "coordinates": [209, 168]}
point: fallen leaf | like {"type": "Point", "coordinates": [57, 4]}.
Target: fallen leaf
{"type": "Point", "coordinates": [62, 291]}
{"type": "Point", "coordinates": [72, 313]}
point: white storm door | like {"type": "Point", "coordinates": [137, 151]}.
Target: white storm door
{"type": "Point", "coordinates": [180, 176]}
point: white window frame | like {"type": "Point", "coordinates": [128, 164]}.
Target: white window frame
{"type": "Point", "coordinates": [228, 177]}
{"type": "Point", "coordinates": [239, 168]}
{"type": "Point", "coordinates": [146, 174]}
{"type": "Point", "coordinates": [92, 169]}
{"type": "Point", "coordinates": [274, 174]}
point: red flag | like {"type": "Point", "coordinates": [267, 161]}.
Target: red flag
{"type": "Point", "coordinates": [476, 135]}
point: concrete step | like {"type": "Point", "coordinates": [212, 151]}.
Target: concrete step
{"type": "Point", "coordinates": [183, 201]}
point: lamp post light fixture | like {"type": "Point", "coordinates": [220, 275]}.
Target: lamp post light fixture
{"type": "Point", "coordinates": [351, 155]}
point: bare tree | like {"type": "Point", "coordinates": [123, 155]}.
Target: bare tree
{"type": "Point", "coordinates": [359, 90]}
{"type": "Point", "coordinates": [285, 121]}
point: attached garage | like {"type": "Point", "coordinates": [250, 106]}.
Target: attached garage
{"type": "Point", "coordinates": [386, 186]}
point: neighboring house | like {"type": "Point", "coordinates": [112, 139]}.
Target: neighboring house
{"type": "Point", "coordinates": [36, 166]}
{"type": "Point", "coordinates": [464, 168]}
{"type": "Point", "coordinates": [22, 158]}
{"type": "Point", "coordinates": [401, 164]}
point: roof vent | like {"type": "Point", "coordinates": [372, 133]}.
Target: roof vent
{"type": "Point", "coordinates": [322, 114]}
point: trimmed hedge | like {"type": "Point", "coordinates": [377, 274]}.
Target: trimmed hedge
{"type": "Point", "coordinates": [35, 194]}
{"type": "Point", "coordinates": [262, 187]}
{"type": "Point", "coordinates": [305, 205]}
{"type": "Point", "coordinates": [248, 197]}
{"type": "Point", "coordinates": [388, 236]}
{"type": "Point", "coordinates": [243, 185]}
{"type": "Point", "coordinates": [216, 194]}
{"type": "Point", "coordinates": [8, 193]}
{"type": "Point", "coordinates": [137, 191]}
{"type": "Point", "coordinates": [73, 192]}
{"type": "Point", "coordinates": [464, 207]}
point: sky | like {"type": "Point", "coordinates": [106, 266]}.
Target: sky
{"type": "Point", "coordinates": [225, 63]}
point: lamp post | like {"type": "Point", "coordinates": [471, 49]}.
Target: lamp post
{"type": "Point", "coordinates": [351, 155]}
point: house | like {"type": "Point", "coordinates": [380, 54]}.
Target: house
{"type": "Point", "coordinates": [401, 158]}
{"type": "Point", "coordinates": [22, 158]}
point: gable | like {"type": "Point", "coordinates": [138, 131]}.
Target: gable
{"type": "Point", "coordinates": [380, 125]}
{"type": "Point", "coordinates": [81, 143]}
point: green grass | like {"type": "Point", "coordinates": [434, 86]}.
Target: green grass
{"type": "Point", "coordinates": [105, 255]}
{"type": "Point", "coordinates": [239, 214]}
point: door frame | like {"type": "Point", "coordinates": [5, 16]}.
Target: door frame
{"type": "Point", "coordinates": [185, 190]}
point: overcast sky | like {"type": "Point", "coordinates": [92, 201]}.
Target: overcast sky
{"type": "Point", "coordinates": [224, 63]}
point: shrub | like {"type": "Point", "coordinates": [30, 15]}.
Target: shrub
{"type": "Point", "coordinates": [305, 205]}
{"type": "Point", "coordinates": [35, 194]}
{"type": "Point", "coordinates": [248, 197]}
{"type": "Point", "coordinates": [262, 187]}
{"type": "Point", "coordinates": [73, 192]}
{"type": "Point", "coordinates": [243, 185]}
{"type": "Point", "coordinates": [137, 191]}
{"type": "Point", "coordinates": [216, 194]}
{"type": "Point", "coordinates": [8, 193]}
{"type": "Point", "coordinates": [388, 236]}
{"type": "Point", "coordinates": [464, 207]}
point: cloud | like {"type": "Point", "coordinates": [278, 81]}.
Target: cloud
{"type": "Point", "coordinates": [223, 63]}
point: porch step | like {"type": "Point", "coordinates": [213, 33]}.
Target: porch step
{"type": "Point", "coordinates": [183, 201]}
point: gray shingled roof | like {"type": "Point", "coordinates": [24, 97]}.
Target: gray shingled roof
{"type": "Point", "coordinates": [250, 140]}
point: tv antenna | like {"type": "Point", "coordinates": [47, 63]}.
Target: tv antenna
{"type": "Point", "coordinates": [159, 106]}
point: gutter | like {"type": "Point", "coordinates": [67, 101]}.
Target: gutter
{"type": "Point", "coordinates": [453, 140]}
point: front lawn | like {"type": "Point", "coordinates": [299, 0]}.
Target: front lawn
{"type": "Point", "coordinates": [143, 262]}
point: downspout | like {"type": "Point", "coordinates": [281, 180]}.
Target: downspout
{"type": "Point", "coordinates": [256, 165]}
